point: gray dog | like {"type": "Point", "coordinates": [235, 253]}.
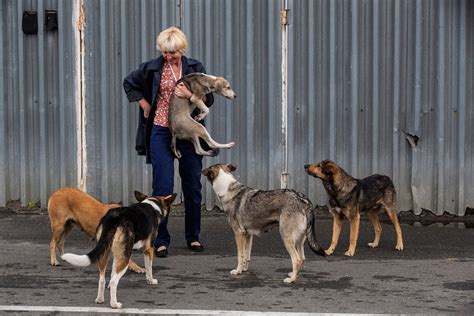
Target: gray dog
{"type": "Point", "coordinates": [182, 125]}
{"type": "Point", "coordinates": [251, 212]}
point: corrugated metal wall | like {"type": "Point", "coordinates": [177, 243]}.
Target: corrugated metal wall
{"type": "Point", "coordinates": [37, 111]}
{"type": "Point", "coordinates": [362, 76]}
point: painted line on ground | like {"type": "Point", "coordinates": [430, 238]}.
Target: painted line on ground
{"type": "Point", "coordinates": [105, 310]}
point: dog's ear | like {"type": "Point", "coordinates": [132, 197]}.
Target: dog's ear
{"type": "Point", "coordinates": [328, 167]}
{"type": "Point", "coordinates": [231, 167]}
{"type": "Point", "coordinates": [169, 198]}
{"type": "Point", "coordinates": [205, 172]}
{"type": "Point", "coordinates": [140, 196]}
{"type": "Point", "coordinates": [219, 83]}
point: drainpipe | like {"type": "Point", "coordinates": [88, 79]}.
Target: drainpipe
{"type": "Point", "coordinates": [181, 14]}
{"type": "Point", "coordinates": [284, 94]}
{"type": "Point", "coordinates": [80, 92]}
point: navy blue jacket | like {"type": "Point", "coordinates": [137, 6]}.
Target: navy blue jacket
{"type": "Point", "coordinates": [144, 82]}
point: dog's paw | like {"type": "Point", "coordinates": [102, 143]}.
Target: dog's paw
{"type": "Point", "coordinates": [291, 274]}
{"type": "Point", "coordinates": [116, 305]}
{"type": "Point", "coordinates": [373, 245]}
{"type": "Point", "coordinates": [230, 145]}
{"type": "Point", "coordinates": [289, 280]}
{"type": "Point", "coordinates": [399, 247]}
{"type": "Point", "coordinates": [236, 272]}
{"type": "Point", "coordinates": [152, 281]}
{"type": "Point", "coordinates": [200, 117]}
{"type": "Point", "coordinates": [55, 263]}
{"type": "Point", "coordinates": [99, 300]}
{"type": "Point", "coordinates": [329, 251]}
{"type": "Point", "coordinates": [214, 152]}
{"type": "Point", "coordinates": [349, 253]}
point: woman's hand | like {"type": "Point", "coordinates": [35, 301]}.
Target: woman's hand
{"type": "Point", "coordinates": [146, 107]}
{"type": "Point", "coordinates": [182, 91]}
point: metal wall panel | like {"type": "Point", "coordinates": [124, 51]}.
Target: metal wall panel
{"type": "Point", "coordinates": [37, 114]}
{"type": "Point", "coordinates": [365, 75]}
{"type": "Point", "coordinates": [119, 35]}
{"type": "Point", "coordinates": [240, 40]}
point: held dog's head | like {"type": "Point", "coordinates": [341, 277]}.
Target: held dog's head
{"type": "Point", "coordinates": [223, 88]}
{"type": "Point", "coordinates": [325, 170]}
{"type": "Point", "coordinates": [163, 202]}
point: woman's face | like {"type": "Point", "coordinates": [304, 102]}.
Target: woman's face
{"type": "Point", "coordinates": [172, 57]}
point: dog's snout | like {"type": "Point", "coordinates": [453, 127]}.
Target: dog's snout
{"type": "Point", "coordinates": [306, 166]}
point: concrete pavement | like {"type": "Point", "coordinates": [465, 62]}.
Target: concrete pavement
{"type": "Point", "coordinates": [434, 274]}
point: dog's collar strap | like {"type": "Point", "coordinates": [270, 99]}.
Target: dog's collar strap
{"type": "Point", "coordinates": [154, 205]}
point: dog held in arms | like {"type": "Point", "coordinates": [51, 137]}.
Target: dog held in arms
{"type": "Point", "coordinates": [251, 212]}
{"type": "Point", "coordinates": [351, 197]}
{"type": "Point", "coordinates": [120, 231]}
{"type": "Point", "coordinates": [70, 206]}
{"type": "Point", "coordinates": [183, 126]}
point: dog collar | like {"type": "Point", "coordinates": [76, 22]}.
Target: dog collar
{"type": "Point", "coordinates": [154, 205]}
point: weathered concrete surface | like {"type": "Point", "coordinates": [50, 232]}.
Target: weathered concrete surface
{"type": "Point", "coordinates": [434, 274]}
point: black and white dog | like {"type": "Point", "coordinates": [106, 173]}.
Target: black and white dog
{"type": "Point", "coordinates": [121, 230]}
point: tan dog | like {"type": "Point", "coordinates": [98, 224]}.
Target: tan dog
{"type": "Point", "coordinates": [69, 206]}
{"type": "Point", "coordinates": [351, 197]}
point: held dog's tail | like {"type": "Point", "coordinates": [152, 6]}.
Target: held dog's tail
{"type": "Point", "coordinates": [101, 249]}
{"type": "Point", "coordinates": [311, 234]}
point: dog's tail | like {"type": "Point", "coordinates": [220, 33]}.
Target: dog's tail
{"type": "Point", "coordinates": [311, 234]}
{"type": "Point", "coordinates": [101, 249]}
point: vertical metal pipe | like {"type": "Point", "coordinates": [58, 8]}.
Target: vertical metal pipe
{"type": "Point", "coordinates": [78, 25]}
{"type": "Point", "coordinates": [284, 94]}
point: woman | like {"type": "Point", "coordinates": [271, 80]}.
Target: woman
{"type": "Point", "coordinates": [151, 85]}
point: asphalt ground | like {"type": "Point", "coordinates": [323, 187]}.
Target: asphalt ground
{"type": "Point", "coordinates": [433, 274]}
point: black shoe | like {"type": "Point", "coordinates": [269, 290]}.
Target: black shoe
{"type": "Point", "coordinates": [161, 252]}
{"type": "Point", "coordinates": [196, 246]}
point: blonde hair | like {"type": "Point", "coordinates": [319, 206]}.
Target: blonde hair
{"type": "Point", "coordinates": [172, 40]}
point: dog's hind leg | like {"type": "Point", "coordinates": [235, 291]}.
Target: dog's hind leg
{"type": "Point", "coordinates": [394, 219]}
{"type": "Point", "coordinates": [148, 258]}
{"type": "Point", "coordinates": [247, 250]}
{"type": "Point", "coordinates": [120, 269]}
{"type": "Point", "coordinates": [174, 149]}
{"type": "Point", "coordinates": [67, 228]}
{"type": "Point", "coordinates": [336, 230]}
{"type": "Point", "coordinates": [101, 288]}
{"type": "Point", "coordinates": [204, 134]}
{"type": "Point", "coordinates": [373, 216]}
{"type": "Point", "coordinates": [52, 245]}
{"type": "Point", "coordinates": [296, 261]}
{"type": "Point", "coordinates": [198, 149]}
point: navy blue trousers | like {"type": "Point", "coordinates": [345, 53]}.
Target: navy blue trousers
{"type": "Point", "coordinates": [190, 166]}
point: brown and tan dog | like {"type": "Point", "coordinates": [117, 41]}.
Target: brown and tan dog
{"type": "Point", "coordinates": [68, 206]}
{"type": "Point", "coordinates": [352, 197]}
